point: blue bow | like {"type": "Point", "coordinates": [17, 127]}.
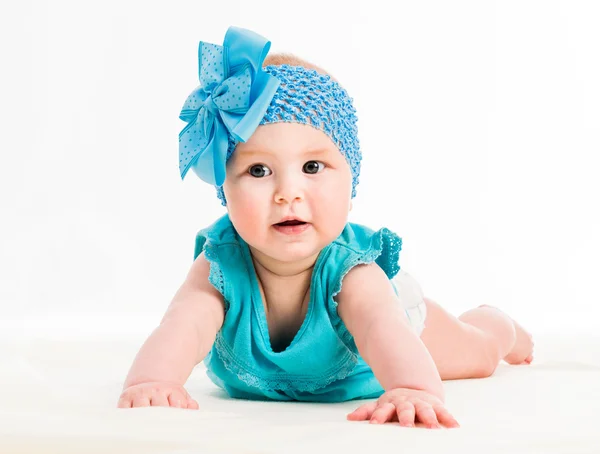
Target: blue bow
{"type": "Point", "coordinates": [232, 98]}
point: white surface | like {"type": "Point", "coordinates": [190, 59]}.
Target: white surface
{"type": "Point", "coordinates": [60, 397]}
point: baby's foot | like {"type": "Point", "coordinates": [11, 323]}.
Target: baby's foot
{"type": "Point", "coordinates": [522, 352]}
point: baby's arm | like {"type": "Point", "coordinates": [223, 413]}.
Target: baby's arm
{"type": "Point", "coordinates": [183, 338]}
{"type": "Point", "coordinates": [376, 320]}
{"type": "Point", "coordinates": [397, 356]}
{"type": "Point", "coordinates": [372, 313]}
{"type": "Point", "coordinates": [374, 316]}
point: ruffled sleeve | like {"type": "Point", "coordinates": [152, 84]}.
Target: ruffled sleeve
{"type": "Point", "coordinates": [356, 245]}
{"type": "Point", "coordinates": [210, 241]}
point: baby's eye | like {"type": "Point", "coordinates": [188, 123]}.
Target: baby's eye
{"type": "Point", "coordinates": [259, 171]}
{"type": "Point", "coordinates": [313, 167]}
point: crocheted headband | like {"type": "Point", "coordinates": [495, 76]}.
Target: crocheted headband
{"type": "Point", "coordinates": [236, 95]}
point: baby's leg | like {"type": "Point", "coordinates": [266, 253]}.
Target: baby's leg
{"type": "Point", "coordinates": [472, 345]}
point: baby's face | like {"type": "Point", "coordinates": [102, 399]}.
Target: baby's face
{"type": "Point", "coordinates": [288, 170]}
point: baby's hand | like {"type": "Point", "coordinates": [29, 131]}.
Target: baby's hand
{"type": "Point", "coordinates": [156, 394]}
{"type": "Point", "coordinates": [406, 405]}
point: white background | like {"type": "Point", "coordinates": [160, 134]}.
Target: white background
{"type": "Point", "coordinates": [479, 124]}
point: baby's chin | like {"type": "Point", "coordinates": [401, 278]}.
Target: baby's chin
{"type": "Point", "coordinates": [303, 254]}
{"type": "Point", "coordinates": [292, 253]}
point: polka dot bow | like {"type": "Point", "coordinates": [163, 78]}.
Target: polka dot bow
{"type": "Point", "coordinates": [232, 98]}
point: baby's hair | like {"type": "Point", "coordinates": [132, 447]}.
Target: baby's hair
{"type": "Point", "coordinates": [284, 58]}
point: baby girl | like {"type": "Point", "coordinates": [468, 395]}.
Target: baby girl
{"type": "Point", "coordinates": [286, 299]}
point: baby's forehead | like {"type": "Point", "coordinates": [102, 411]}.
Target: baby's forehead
{"type": "Point", "coordinates": [286, 153]}
{"type": "Point", "coordinates": [287, 138]}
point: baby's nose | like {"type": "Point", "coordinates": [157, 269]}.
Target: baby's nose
{"type": "Point", "coordinates": [289, 189]}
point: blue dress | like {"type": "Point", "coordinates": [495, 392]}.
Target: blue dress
{"type": "Point", "coordinates": [322, 362]}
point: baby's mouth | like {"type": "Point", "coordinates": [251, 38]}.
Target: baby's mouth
{"type": "Point", "coordinates": [291, 227]}
{"type": "Point", "coordinates": [291, 222]}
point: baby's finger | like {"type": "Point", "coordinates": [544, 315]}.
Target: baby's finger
{"type": "Point", "coordinates": [140, 401]}
{"type": "Point", "coordinates": [159, 400]}
{"type": "Point", "coordinates": [124, 402]}
{"type": "Point", "coordinates": [177, 400]}
{"type": "Point", "coordinates": [192, 404]}
{"type": "Point", "coordinates": [444, 417]}
{"type": "Point", "coordinates": [383, 413]}
{"type": "Point", "coordinates": [363, 412]}
{"type": "Point", "coordinates": [188, 402]}
{"type": "Point", "coordinates": [406, 413]}
{"type": "Point", "coordinates": [426, 414]}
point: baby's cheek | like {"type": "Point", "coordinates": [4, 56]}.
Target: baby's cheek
{"type": "Point", "coordinates": [243, 210]}
{"type": "Point", "coordinates": [247, 213]}
{"type": "Point", "coordinates": [336, 195]}
{"type": "Point", "coordinates": [333, 205]}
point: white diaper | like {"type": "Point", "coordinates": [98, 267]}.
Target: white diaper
{"type": "Point", "coordinates": [412, 300]}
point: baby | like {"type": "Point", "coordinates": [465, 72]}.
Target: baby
{"type": "Point", "coordinates": [286, 299]}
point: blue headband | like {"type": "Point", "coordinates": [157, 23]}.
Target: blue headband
{"type": "Point", "coordinates": [237, 95]}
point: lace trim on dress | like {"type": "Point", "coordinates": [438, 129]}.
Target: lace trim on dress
{"type": "Point", "coordinates": [386, 253]}
{"type": "Point", "coordinates": [283, 381]}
